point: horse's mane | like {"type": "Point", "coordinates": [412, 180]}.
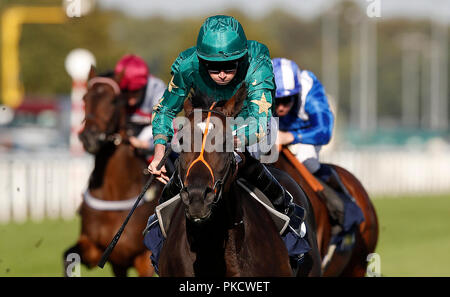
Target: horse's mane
{"type": "Point", "coordinates": [107, 73]}
{"type": "Point", "coordinates": [200, 100]}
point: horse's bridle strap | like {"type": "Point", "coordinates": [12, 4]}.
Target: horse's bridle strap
{"type": "Point", "coordinates": [200, 158]}
{"type": "Point", "coordinates": [105, 80]}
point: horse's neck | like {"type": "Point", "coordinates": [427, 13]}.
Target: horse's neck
{"type": "Point", "coordinates": [210, 239]}
{"type": "Point", "coordinates": [101, 161]}
{"type": "Point", "coordinates": [207, 242]}
{"type": "Point", "coordinates": [117, 171]}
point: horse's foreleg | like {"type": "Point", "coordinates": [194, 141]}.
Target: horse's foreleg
{"type": "Point", "coordinates": [339, 259]}
{"type": "Point", "coordinates": [89, 252]}
{"type": "Point", "coordinates": [119, 271]}
{"type": "Point", "coordinates": [143, 265]}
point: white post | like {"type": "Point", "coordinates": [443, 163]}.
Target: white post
{"type": "Point", "coordinates": [330, 54]}
{"type": "Point", "coordinates": [78, 64]}
{"type": "Point", "coordinates": [411, 45]}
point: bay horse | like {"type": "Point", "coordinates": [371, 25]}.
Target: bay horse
{"type": "Point", "coordinates": [115, 182]}
{"type": "Point", "coordinates": [354, 262]}
{"type": "Point", "coordinates": [218, 229]}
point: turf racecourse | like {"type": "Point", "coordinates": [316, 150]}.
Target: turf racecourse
{"type": "Point", "coordinates": [414, 241]}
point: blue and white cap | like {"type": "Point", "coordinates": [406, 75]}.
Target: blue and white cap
{"type": "Point", "coordinates": [287, 77]}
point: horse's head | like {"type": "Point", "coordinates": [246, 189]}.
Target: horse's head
{"type": "Point", "coordinates": [207, 168]}
{"type": "Point", "coordinates": [104, 111]}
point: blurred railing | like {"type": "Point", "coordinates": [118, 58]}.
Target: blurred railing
{"type": "Point", "coordinates": [38, 186]}
{"type": "Point", "coordinates": [394, 173]}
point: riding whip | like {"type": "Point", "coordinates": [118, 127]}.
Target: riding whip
{"type": "Point", "coordinates": [114, 241]}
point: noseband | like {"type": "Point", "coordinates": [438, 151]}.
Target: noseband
{"type": "Point", "coordinates": [105, 80]}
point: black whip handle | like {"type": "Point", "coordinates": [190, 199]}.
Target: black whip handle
{"type": "Point", "coordinates": [114, 241]}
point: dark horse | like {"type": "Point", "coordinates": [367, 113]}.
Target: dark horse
{"type": "Point", "coordinates": [351, 263]}
{"type": "Point", "coordinates": [118, 176]}
{"type": "Point", "coordinates": [218, 229]}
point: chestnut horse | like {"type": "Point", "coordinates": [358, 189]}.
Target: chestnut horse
{"type": "Point", "coordinates": [353, 263]}
{"type": "Point", "coordinates": [117, 178]}
{"type": "Point", "coordinates": [218, 229]}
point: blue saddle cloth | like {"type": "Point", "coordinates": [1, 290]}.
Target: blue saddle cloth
{"type": "Point", "coordinates": [154, 240]}
{"type": "Point", "coordinates": [296, 244]}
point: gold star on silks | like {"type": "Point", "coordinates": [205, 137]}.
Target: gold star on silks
{"type": "Point", "coordinates": [254, 83]}
{"type": "Point", "coordinates": [262, 133]}
{"type": "Point", "coordinates": [263, 104]}
{"type": "Point", "coordinates": [159, 104]}
{"type": "Point", "coordinates": [172, 85]}
{"type": "Point", "coordinates": [156, 107]}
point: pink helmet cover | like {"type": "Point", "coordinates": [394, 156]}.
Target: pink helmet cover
{"type": "Point", "coordinates": [135, 74]}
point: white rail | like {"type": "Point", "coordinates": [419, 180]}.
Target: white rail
{"type": "Point", "coordinates": [38, 186]}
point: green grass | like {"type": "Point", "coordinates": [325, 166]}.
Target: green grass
{"type": "Point", "coordinates": [414, 241]}
{"type": "Point", "coordinates": [36, 249]}
{"type": "Point", "coordinates": [414, 236]}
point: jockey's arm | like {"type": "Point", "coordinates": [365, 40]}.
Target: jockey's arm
{"type": "Point", "coordinates": [168, 107]}
{"type": "Point", "coordinates": [321, 119]}
{"type": "Point", "coordinates": [258, 105]}
{"type": "Point", "coordinates": [164, 112]}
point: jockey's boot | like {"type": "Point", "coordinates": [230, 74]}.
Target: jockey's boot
{"type": "Point", "coordinates": [258, 175]}
{"type": "Point", "coordinates": [344, 212]}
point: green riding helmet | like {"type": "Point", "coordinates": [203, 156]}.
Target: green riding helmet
{"type": "Point", "coordinates": [221, 38]}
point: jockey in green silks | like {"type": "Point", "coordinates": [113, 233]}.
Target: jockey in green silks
{"type": "Point", "coordinates": [217, 66]}
{"type": "Point", "coordinates": [242, 61]}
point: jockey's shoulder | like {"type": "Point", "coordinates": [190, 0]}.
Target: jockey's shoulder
{"type": "Point", "coordinates": [260, 71]}
{"type": "Point", "coordinates": [184, 61]}
{"type": "Point", "coordinates": [307, 75]}
{"type": "Point", "coordinates": [257, 50]}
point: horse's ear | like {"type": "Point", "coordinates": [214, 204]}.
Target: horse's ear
{"type": "Point", "coordinates": [234, 105]}
{"type": "Point", "coordinates": [188, 108]}
{"type": "Point", "coordinates": [118, 76]}
{"type": "Point", "coordinates": [188, 105]}
{"type": "Point", "coordinates": [92, 73]}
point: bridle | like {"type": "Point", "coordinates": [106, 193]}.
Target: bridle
{"type": "Point", "coordinates": [110, 135]}
{"type": "Point", "coordinates": [231, 161]}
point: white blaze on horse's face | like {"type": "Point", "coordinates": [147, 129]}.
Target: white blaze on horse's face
{"type": "Point", "coordinates": [202, 126]}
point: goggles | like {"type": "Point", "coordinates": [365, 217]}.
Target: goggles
{"type": "Point", "coordinates": [217, 67]}
{"type": "Point", "coordinates": [285, 100]}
